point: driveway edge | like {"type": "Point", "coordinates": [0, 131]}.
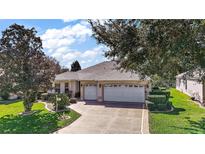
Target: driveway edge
{"type": "Point", "coordinates": [145, 121]}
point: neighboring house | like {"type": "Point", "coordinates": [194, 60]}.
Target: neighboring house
{"type": "Point", "coordinates": [103, 82]}
{"type": "Point", "coordinates": [192, 85]}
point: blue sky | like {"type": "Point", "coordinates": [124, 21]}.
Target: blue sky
{"type": "Point", "coordinates": [66, 40]}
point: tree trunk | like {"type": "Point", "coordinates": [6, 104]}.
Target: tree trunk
{"type": "Point", "coordinates": [27, 102]}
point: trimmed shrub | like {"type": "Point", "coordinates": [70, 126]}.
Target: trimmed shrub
{"type": "Point", "coordinates": [163, 88]}
{"type": "Point", "coordinates": [169, 105]}
{"type": "Point", "coordinates": [155, 88]}
{"type": "Point", "coordinates": [159, 92]}
{"type": "Point", "coordinates": [157, 99]}
{"type": "Point", "coordinates": [162, 107]}
{"type": "Point", "coordinates": [60, 101]}
{"type": "Point", "coordinates": [152, 107]}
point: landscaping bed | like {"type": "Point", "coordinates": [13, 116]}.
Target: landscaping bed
{"type": "Point", "coordinates": [41, 122]}
{"type": "Point", "coordinates": [186, 118]}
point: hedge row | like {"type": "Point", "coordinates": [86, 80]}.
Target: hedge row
{"type": "Point", "coordinates": [157, 99]}
{"type": "Point", "coordinates": [160, 107]}
{"type": "Point", "coordinates": [160, 92]}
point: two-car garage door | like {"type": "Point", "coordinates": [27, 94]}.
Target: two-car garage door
{"type": "Point", "coordinates": [124, 93]}
{"type": "Point", "coordinates": [116, 92]}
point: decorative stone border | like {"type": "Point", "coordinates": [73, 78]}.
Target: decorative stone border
{"type": "Point", "coordinates": [46, 106]}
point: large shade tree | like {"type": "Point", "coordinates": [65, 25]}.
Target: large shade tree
{"type": "Point", "coordinates": [25, 67]}
{"type": "Point", "coordinates": [153, 47]}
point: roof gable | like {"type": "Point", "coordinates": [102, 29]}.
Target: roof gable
{"type": "Point", "coordinates": [196, 74]}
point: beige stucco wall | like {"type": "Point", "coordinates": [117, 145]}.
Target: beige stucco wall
{"type": "Point", "coordinates": [181, 85]}
{"type": "Point", "coordinates": [194, 88]}
{"type": "Point", "coordinates": [100, 92]}
{"type": "Point", "coordinates": [81, 91]}
{"type": "Point", "coordinates": [72, 84]}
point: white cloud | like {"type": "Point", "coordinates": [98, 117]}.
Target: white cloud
{"type": "Point", "coordinates": [58, 44]}
{"type": "Point", "coordinates": [71, 55]}
{"type": "Point", "coordinates": [89, 54]}
{"type": "Point", "coordinates": [57, 55]}
{"type": "Point", "coordinates": [55, 38]}
{"type": "Point", "coordinates": [93, 52]}
{"type": "Point", "coordinates": [62, 50]}
{"type": "Point", "coordinates": [55, 43]}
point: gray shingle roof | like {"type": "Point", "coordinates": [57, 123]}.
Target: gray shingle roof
{"type": "Point", "coordinates": [67, 76]}
{"type": "Point", "coordinates": [103, 71]}
{"type": "Point", "coordinates": [196, 74]}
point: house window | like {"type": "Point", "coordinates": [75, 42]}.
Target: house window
{"type": "Point", "coordinates": [66, 87]}
{"type": "Point", "coordinates": [57, 87]}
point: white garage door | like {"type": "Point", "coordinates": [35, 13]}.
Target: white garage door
{"type": "Point", "coordinates": [124, 93]}
{"type": "Point", "coordinates": [90, 92]}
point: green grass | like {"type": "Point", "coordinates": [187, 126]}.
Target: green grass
{"type": "Point", "coordinates": [41, 122]}
{"type": "Point", "coordinates": [187, 117]}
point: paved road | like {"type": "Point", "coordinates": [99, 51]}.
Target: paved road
{"type": "Point", "coordinates": [108, 119]}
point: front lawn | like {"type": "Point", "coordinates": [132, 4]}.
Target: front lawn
{"type": "Point", "coordinates": [40, 122]}
{"type": "Point", "coordinates": [187, 117]}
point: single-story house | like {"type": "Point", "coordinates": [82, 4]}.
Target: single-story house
{"type": "Point", "coordinates": [191, 84]}
{"type": "Point", "coordinates": [103, 83]}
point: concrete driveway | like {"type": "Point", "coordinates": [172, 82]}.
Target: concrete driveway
{"type": "Point", "coordinates": [108, 119]}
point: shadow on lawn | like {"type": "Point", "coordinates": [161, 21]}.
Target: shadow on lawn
{"type": "Point", "coordinates": [7, 102]}
{"type": "Point", "coordinates": [195, 127]}
{"type": "Point", "coordinates": [40, 122]}
{"type": "Point", "coordinates": [176, 111]}
{"type": "Point", "coordinates": [198, 125]}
